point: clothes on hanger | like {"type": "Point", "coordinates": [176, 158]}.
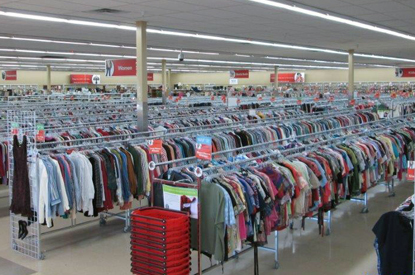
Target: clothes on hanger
{"type": "Point", "coordinates": [90, 182]}
{"type": "Point", "coordinates": [21, 195]}
{"type": "Point", "coordinates": [394, 240]}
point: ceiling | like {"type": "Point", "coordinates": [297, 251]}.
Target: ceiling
{"type": "Point", "coordinates": [231, 18]}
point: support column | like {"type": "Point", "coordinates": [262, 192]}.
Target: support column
{"type": "Point", "coordinates": [142, 88]}
{"type": "Point", "coordinates": [163, 81]}
{"type": "Point", "coordinates": [351, 75]}
{"type": "Point", "coordinates": [169, 86]}
{"type": "Point", "coordinates": [49, 78]}
{"type": "Point", "coordinates": [276, 79]}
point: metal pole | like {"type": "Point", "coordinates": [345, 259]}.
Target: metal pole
{"type": "Point", "coordinates": [142, 89]}
{"type": "Point", "coordinates": [351, 75]}
{"type": "Point", "coordinates": [163, 81]}
{"type": "Point", "coordinates": [49, 78]}
{"type": "Point", "coordinates": [276, 79]}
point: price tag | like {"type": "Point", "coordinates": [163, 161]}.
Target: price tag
{"type": "Point", "coordinates": [40, 135]}
{"type": "Point", "coordinates": [15, 128]}
{"type": "Point", "coordinates": [410, 175]}
{"type": "Point", "coordinates": [204, 148]}
{"type": "Point", "coordinates": [155, 146]}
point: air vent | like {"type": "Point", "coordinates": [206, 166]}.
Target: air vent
{"type": "Point", "coordinates": [107, 11]}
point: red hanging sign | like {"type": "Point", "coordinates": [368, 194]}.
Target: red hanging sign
{"type": "Point", "coordinates": [299, 102]}
{"type": "Point", "coordinates": [331, 98]}
{"type": "Point", "coordinates": [289, 77]}
{"type": "Point", "coordinates": [352, 102]}
{"type": "Point", "coordinates": [316, 99]}
{"type": "Point", "coordinates": [405, 72]}
{"type": "Point", "coordinates": [170, 97]}
{"type": "Point", "coordinates": [238, 101]}
{"type": "Point", "coordinates": [260, 98]}
{"type": "Point", "coordinates": [239, 74]}
{"type": "Point", "coordinates": [123, 67]}
{"type": "Point", "coordinates": [393, 95]}
{"type": "Point", "coordinates": [377, 94]}
{"type": "Point", "coordinates": [212, 98]}
{"type": "Point", "coordinates": [9, 75]}
{"type": "Point", "coordinates": [272, 99]}
{"type": "Point", "coordinates": [155, 146]}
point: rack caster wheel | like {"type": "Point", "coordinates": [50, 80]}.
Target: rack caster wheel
{"type": "Point", "coordinates": [126, 229]}
{"type": "Point", "coordinates": [14, 246]}
{"type": "Point", "coordinates": [292, 226]}
{"type": "Point", "coordinates": [365, 210]}
{"type": "Point", "coordinates": [102, 222]}
{"type": "Point", "coordinates": [276, 265]}
{"type": "Point", "coordinates": [328, 232]}
{"type": "Point", "coordinates": [42, 256]}
{"type": "Point", "coordinates": [391, 195]}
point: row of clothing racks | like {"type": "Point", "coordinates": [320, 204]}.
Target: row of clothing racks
{"type": "Point", "coordinates": [292, 153]}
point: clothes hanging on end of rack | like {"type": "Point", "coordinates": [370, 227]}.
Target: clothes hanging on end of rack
{"type": "Point", "coordinates": [90, 182]}
{"type": "Point", "coordinates": [394, 240]}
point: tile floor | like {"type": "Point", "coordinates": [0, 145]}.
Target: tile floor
{"type": "Point", "coordinates": [90, 249]}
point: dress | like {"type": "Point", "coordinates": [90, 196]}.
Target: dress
{"type": "Point", "coordinates": [21, 186]}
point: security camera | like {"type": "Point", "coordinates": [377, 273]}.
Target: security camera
{"type": "Point", "coordinates": [181, 57]}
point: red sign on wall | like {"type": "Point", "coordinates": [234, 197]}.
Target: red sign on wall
{"type": "Point", "coordinates": [81, 78]}
{"type": "Point", "coordinates": [289, 77]}
{"type": "Point", "coordinates": [239, 74]}
{"type": "Point", "coordinates": [405, 72]}
{"type": "Point", "coordinates": [9, 75]}
{"type": "Point", "coordinates": [123, 67]}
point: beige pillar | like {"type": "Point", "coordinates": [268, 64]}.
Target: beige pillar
{"type": "Point", "coordinates": [49, 78]}
{"type": "Point", "coordinates": [276, 78]}
{"type": "Point", "coordinates": [163, 81]}
{"type": "Point", "coordinates": [142, 88]}
{"type": "Point", "coordinates": [169, 86]}
{"type": "Point", "coordinates": [351, 74]}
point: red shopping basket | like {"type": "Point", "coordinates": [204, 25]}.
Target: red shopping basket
{"type": "Point", "coordinates": [172, 243]}
{"type": "Point", "coordinates": [139, 271]}
{"type": "Point", "coordinates": [160, 242]}
{"type": "Point", "coordinates": [160, 219]}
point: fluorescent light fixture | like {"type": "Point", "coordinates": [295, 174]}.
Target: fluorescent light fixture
{"type": "Point", "coordinates": [178, 51]}
{"type": "Point", "coordinates": [334, 18]}
{"type": "Point", "coordinates": [214, 37]}
{"type": "Point", "coordinates": [242, 55]}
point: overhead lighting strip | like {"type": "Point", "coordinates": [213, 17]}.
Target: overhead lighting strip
{"type": "Point", "coordinates": [335, 19]}
{"type": "Point", "coordinates": [221, 38]}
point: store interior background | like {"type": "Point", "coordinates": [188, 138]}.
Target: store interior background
{"type": "Point", "coordinates": [215, 78]}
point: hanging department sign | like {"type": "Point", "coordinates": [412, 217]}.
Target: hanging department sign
{"type": "Point", "coordinates": [123, 67]}
{"type": "Point", "coordinates": [85, 79]}
{"type": "Point", "coordinates": [9, 75]}
{"type": "Point", "coordinates": [239, 74]}
{"type": "Point", "coordinates": [405, 72]}
{"type": "Point", "coordinates": [289, 78]}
